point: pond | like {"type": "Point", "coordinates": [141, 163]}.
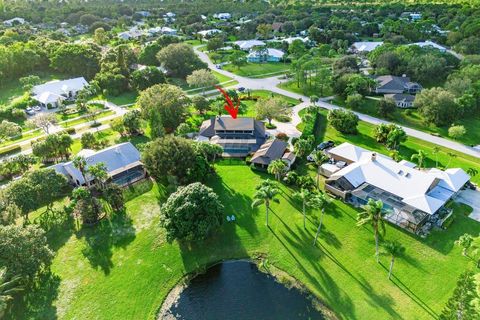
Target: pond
{"type": "Point", "coordinates": [238, 290]}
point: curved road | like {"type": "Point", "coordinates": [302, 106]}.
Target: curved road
{"type": "Point", "coordinates": [271, 84]}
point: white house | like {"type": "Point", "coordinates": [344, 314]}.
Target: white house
{"type": "Point", "coordinates": [162, 30]}
{"type": "Point", "coordinates": [411, 197]}
{"type": "Point", "coordinates": [14, 21]}
{"type": "Point", "coordinates": [223, 16]}
{"type": "Point", "coordinates": [133, 33]}
{"type": "Point", "coordinates": [265, 55]}
{"type": "Point", "coordinates": [415, 16]}
{"type": "Point", "coordinates": [208, 33]}
{"type": "Point", "coordinates": [365, 46]}
{"type": "Point", "coordinates": [122, 162]}
{"type": "Point", "coordinates": [247, 45]}
{"type": "Point", "coordinates": [430, 44]}
{"type": "Point", "coordinates": [51, 94]}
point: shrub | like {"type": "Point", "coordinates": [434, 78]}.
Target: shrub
{"type": "Point", "coordinates": [9, 150]}
{"type": "Point", "coordinates": [456, 132]}
{"type": "Point", "coordinates": [343, 121]}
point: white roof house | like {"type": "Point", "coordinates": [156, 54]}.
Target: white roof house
{"type": "Point", "coordinates": [117, 159]}
{"type": "Point", "coordinates": [133, 33]}
{"type": "Point", "coordinates": [366, 46]}
{"type": "Point", "coordinates": [270, 52]}
{"type": "Point", "coordinates": [11, 22]}
{"type": "Point", "coordinates": [223, 16]}
{"type": "Point", "coordinates": [430, 44]}
{"type": "Point", "coordinates": [210, 32]}
{"type": "Point", "coordinates": [425, 190]}
{"type": "Point", "coordinates": [53, 92]}
{"type": "Point", "coordinates": [249, 44]}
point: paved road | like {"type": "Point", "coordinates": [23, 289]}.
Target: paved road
{"type": "Point", "coordinates": [271, 84]}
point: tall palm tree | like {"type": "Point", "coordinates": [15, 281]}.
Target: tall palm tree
{"type": "Point", "coordinates": [420, 158]}
{"type": "Point", "coordinates": [435, 151]}
{"type": "Point", "coordinates": [265, 194]}
{"type": "Point", "coordinates": [81, 164]}
{"type": "Point", "coordinates": [303, 195]}
{"type": "Point", "coordinates": [393, 249]}
{"type": "Point", "coordinates": [7, 287]}
{"type": "Point", "coordinates": [277, 168]}
{"type": "Point", "coordinates": [319, 201]}
{"type": "Point", "coordinates": [472, 172]}
{"type": "Point", "coordinates": [451, 156]}
{"type": "Point", "coordinates": [319, 157]}
{"type": "Point", "coordinates": [373, 215]}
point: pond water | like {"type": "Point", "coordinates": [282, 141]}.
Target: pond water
{"type": "Point", "coordinates": [238, 290]}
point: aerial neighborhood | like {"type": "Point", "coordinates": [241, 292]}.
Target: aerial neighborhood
{"type": "Point", "coordinates": [239, 160]}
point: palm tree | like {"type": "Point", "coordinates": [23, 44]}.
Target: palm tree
{"type": "Point", "coordinates": [302, 147]}
{"type": "Point", "coordinates": [373, 215]}
{"type": "Point", "coordinates": [393, 249]}
{"type": "Point", "coordinates": [277, 168]}
{"type": "Point", "coordinates": [319, 201]}
{"type": "Point", "coordinates": [395, 155]}
{"type": "Point", "coordinates": [319, 157]}
{"type": "Point", "coordinates": [420, 158]}
{"type": "Point", "coordinates": [303, 195]}
{"type": "Point", "coordinates": [451, 156]}
{"type": "Point", "coordinates": [472, 172]}
{"type": "Point", "coordinates": [266, 193]}
{"type": "Point", "coordinates": [435, 151]}
{"type": "Point", "coordinates": [81, 164]}
{"type": "Point", "coordinates": [7, 287]}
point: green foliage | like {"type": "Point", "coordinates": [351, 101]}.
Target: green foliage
{"type": "Point", "coordinates": [24, 250]}
{"type": "Point", "coordinates": [143, 79]}
{"type": "Point", "coordinates": [191, 213]}
{"type": "Point", "coordinates": [271, 108]}
{"type": "Point", "coordinates": [132, 122]}
{"type": "Point", "coordinates": [53, 147]}
{"type": "Point", "coordinates": [85, 205]}
{"type": "Point", "coordinates": [113, 194]}
{"type": "Point", "coordinates": [456, 132]}
{"type": "Point", "coordinates": [76, 60]}
{"type": "Point", "coordinates": [343, 120]}
{"type": "Point", "coordinates": [461, 304]}
{"type": "Point", "coordinates": [437, 106]}
{"type": "Point", "coordinates": [89, 140]}
{"type": "Point", "coordinates": [390, 135]}
{"type": "Point", "coordinates": [180, 60]}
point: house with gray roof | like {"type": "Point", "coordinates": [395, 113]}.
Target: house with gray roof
{"type": "Point", "coordinates": [271, 150]}
{"type": "Point", "coordinates": [394, 84]}
{"type": "Point", "coordinates": [238, 137]}
{"type": "Point", "coordinates": [122, 162]}
{"type": "Point", "coordinates": [401, 100]}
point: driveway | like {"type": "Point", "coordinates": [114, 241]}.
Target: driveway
{"type": "Point", "coordinates": [471, 198]}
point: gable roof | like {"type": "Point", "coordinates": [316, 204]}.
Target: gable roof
{"type": "Point", "coordinates": [392, 82]}
{"type": "Point", "coordinates": [115, 158]}
{"type": "Point", "coordinates": [249, 44]}
{"type": "Point", "coordinates": [366, 46]}
{"type": "Point", "coordinates": [429, 44]}
{"type": "Point", "coordinates": [271, 150]}
{"type": "Point", "coordinates": [413, 186]}
{"type": "Point", "coordinates": [226, 123]}
{"type": "Point", "coordinates": [401, 97]}
{"type": "Point", "coordinates": [270, 52]}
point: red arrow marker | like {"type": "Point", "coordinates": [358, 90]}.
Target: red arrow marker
{"type": "Point", "coordinates": [229, 106]}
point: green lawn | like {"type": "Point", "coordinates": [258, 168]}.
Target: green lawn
{"type": "Point", "coordinates": [128, 97]}
{"type": "Point", "coordinates": [292, 86]}
{"type": "Point", "coordinates": [260, 70]}
{"type": "Point", "coordinates": [123, 268]}
{"type": "Point", "coordinates": [414, 120]}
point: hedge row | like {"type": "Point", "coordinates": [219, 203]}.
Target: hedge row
{"type": "Point", "coordinates": [9, 150]}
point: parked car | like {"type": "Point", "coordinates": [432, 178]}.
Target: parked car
{"type": "Point", "coordinates": [325, 145]}
{"type": "Point", "coordinates": [241, 89]}
{"type": "Point", "coordinates": [37, 108]}
{"type": "Point", "coordinates": [310, 156]}
{"type": "Point", "coordinates": [29, 111]}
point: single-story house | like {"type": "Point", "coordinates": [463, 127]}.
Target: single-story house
{"type": "Point", "coordinates": [393, 84]}
{"type": "Point", "coordinates": [209, 33]}
{"type": "Point", "coordinates": [51, 94]}
{"type": "Point", "coordinates": [238, 137]}
{"type": "Point", "coordinates": [14, 21]}
{"type": "Point", "coordinates": [289, 40]}
{"type": "Point", "coordinates": [223, 16]}
{"type": "Point", "coordinates": [412, 197]}
{"type": "Point", "coordinates": [122, 162]}
{"type": "Point", "coordinates": [247, 45]}
{"type": "Point", "coordinates": [162, 30]}
{"type": "Point", "coordinates": [401, 100]}
{"type": "Point", "coordinates": [265, 55]}
{"type": "Point", "coordinates": [144, 14]}
{"type": "Point", "coordinates": [271, 150]}
{"type": "Point", "coordinates": [133, 33]}
{"type": "Point", "coordinates": [365, 46]}
{"type": "Point", "coordinates": [430, 44]}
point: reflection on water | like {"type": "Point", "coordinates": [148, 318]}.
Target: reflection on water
{"type": "Point", "coordinates": [237, 290]}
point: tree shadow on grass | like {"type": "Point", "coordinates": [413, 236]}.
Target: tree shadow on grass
{"type": "Point", "coordinates": [118, 232]}
{"type": "Point", "coordinates": [37, 302]}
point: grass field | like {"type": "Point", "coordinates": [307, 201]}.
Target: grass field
{"type": "Point", "coordinates": [261, 70]}
{"type": "Point", "coordinates": [123, 268]}
{"type": "Point", "coordinates": [292, 86]}
{"type": "Point", "coordinates": [414, 120]}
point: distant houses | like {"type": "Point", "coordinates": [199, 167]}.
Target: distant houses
{"type": "Point", "coordinates": [223, 16]}
{"type": "Point", "coordinates": [14, 21]}
{"type": "Point", "coordinates": [122, 162]}
{"type": "Point", "coordinates": [430, 44]}
{"type": "Point", "coordinates": [365, 46]}
{"type": "Point", "coordinates": [53, 93]}
{"type": "Point", "coordinates": [393, 84]}
{"type": "Point", "coordinates": [209, 32]}
{"type": "Point", "coordinates": [133, 33]}
{"type": "Point", "coordinates": [238, 137]}
{"type": "Point", "coordinates": [265, 55]}
{"type": "Point", "coordinates": [402, 100]}
{"type": "Point", "coordinates": [247, 45]}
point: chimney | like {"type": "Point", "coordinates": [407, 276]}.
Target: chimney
{"type": "Point", "coordinates": [374, 156]}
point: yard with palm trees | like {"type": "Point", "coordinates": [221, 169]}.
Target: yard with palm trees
{"type": "Point", "coordinates": [124, 268]}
